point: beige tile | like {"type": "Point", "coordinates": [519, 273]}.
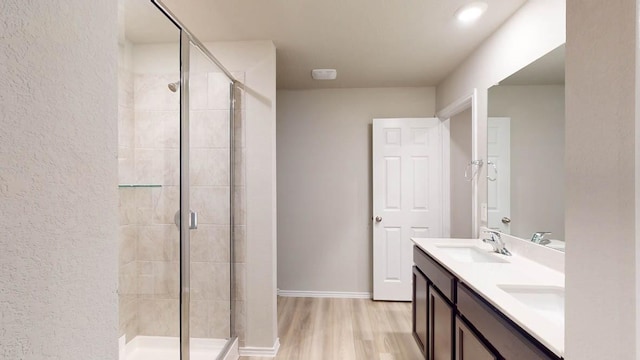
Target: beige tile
{"type": "Point", "coordinates": [127, 243]}
{"type": "Point", "coordinates": [145, 268]}
{"type": "Point", "coordinates": [212, 204]}
{"type": "Point", "coordinates": [199, 319]}
{"type": "Point", "coordinates": [127, 280]}
{"type": "Point", "coordinates": [218, 95]}
{"type": "Point", "coordinates": [127, 206]}
{"type": "Point", "coordinates": [126, 171]}
{"type": "Point", "coordinates": [143, 197]}
{"type": "Point", "coordinates": [128, 316]}
{"type": "Point", "coordinates": [157, 242]}
{"type": "Point", "coordinates": [167, 203]}
{"type": "Point", "coordinates": [198, 93]}
{"type": "Point", "coordinates": [145, 285]}
{"type": "Point", "coordinates": [209, 167]}
{"type": "Point", "coordinates": [171, 130]}
{"type": "Point", "coordinates": [210, 281]}
{"type": "Point", "coordinates": [149, 129]}
{"type": "Point", "coordinates": [159, 317]}
{"type": "Point", "coordinates": [144, 216]}
{"type": "Point", "coordinates": [210, 243]}
{"type": "Point", "coordinates": [166, 279]}
{"type": "Point", "coordinates": [209, 129]}
{"type": "Point", "coordinates": [149, 166]}
{"type": "Point", "coordinates": [151, 92]}
{"type": "Point", "coordinates": [126, 126]}
{"type": "Point", "coordinates": [219, 319]}
{"type": "Point", "coordinates": [171, 167]}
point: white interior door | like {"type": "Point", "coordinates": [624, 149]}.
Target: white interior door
{"type": "Point", "coordinates": [407, 198]}
{"type": "Point", "coordinates": [499, 188]}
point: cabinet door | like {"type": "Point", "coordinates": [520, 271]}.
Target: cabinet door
{"type": "Point", "coordinates": [469, 346]}
{"type": "Point", "coordinates": [441, 326]}
{"type": "Point", "coordinates": [420, 309]}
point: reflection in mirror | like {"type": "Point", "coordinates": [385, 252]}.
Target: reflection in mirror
{"type": "Point", "coordinates": [525, 162]}
{"type": "Point", "coordinates": [460, 135]}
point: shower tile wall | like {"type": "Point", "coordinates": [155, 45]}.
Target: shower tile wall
{"type": "Point", "coordinates": [149, 243]}
{"type": "Point", "coordinates": [127, 241]}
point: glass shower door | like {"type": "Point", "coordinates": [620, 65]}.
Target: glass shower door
{"type": "Point", "coordinates": [209, 262]}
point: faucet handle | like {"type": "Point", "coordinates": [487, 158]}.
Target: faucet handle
{"type": "Point", "coordinates": [539, 236]}
{"type": "Point", "coordinates": [492, 232]}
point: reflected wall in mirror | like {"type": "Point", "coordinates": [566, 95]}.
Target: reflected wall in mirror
{"type": "Point", "coordinates": [525, 142]}
{"type": "Point", "coordinates": [460, 135]}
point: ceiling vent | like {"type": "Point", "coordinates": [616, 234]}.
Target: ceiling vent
{"type": "Point", "coordinates": [324, 74]}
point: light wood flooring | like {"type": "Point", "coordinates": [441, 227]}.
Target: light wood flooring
{"type": "Point", "coordinates": [344, 329]}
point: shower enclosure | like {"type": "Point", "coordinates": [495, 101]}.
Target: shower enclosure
{"type": "Point", "coordinates": [177, 121]}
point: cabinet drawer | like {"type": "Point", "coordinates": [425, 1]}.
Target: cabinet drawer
{"type": "Point", "coordinates": [439, 276]}
{"type": "Point", "coordinates": [507, 338]}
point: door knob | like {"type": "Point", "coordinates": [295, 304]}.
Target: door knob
{"type": "Point", "coordinates": [378, 218]}
{"type": "Point", "coordinates": [506, 220]}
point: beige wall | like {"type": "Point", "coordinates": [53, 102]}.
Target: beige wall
{"type": "Point", "coordinates": [460, 156]}
{"type": "Point", "coordinates": [537, 156]}
{"type": "Point", "coordinates": [58, 180]}
{"type": "Point", "coordinates": [324, 182]}
{"type": "Point", "coordinates": [602, 167]}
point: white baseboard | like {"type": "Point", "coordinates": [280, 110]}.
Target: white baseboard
{"type": "Point", "coordinates": [325, 294]}
{"type": "Point", "coordinates": [260, 351]}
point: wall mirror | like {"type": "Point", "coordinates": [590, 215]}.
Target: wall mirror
{"type": "Point", "coordinates": [525, 152]}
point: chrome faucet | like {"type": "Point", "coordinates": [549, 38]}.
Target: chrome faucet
{"type": "Point", "coordinates": [538, 237]}
{"type": "Point", "coordinates": [496, 242]}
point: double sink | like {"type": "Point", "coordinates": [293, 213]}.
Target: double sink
{"type": "Point", "coordinates": [546, 301]}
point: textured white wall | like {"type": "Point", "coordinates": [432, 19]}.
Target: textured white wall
{"type": "Point", "coordinates": [601, 108]}
{"type": "Point", "coordinates": [58, 180]}
{"type": "Point", "coordinates": [324, 182]}
{"type": "Point", "coordinates": [537, 156]}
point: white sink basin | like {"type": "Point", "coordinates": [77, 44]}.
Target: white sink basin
{"type": "Point", "coordinates": [548, 301]}
{"type": "Point", "coordinates": [470, 254]}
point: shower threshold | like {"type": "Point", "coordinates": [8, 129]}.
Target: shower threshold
{"type": "Point", "coordinates": [168, 348]}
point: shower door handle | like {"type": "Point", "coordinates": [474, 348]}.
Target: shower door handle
{"type": "Point", "coordinates": [193, 220]}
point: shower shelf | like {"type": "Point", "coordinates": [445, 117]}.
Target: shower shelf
{"type": "Point", "coordinates": [139, 185]}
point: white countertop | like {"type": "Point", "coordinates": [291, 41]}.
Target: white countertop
{"type": "Point", "coordinates": [484, 278]}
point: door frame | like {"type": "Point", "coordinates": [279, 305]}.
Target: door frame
{"type": "Point", "coordinates": [477, 210]}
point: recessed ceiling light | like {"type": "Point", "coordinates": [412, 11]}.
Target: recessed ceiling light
{"type": "Point", "coordinates": [471, 12]}
{"type": "Point", "coordinates": [324, 74]}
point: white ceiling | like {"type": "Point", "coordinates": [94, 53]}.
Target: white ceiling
{"type": "Point", "coordinates": [371, 43]}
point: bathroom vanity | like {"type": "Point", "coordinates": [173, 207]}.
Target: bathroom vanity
{"type": "Point", "coordinates": [472, 304]}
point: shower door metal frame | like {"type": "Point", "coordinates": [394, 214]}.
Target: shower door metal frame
{"type": "Point", "coordinates": [186, 40]}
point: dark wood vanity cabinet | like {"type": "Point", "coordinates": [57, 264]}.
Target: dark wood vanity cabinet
{"type": "Point", "coordinates": [420, 290]}
{"type": "Point", "coordinates": [452, 322]}
{"type": "Point", "coordinates": [440, 326]}
{"type": "Point", "coordinates": [469, 346]}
